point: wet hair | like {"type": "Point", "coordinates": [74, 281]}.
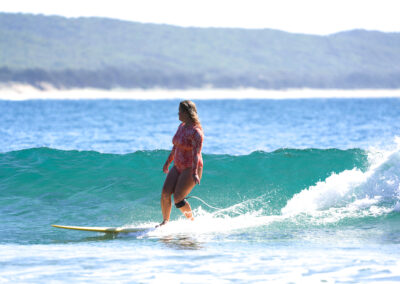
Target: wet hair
{"type": "Point", "coordinates": [190, 109]}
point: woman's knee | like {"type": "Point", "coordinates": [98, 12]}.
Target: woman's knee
{"type": "Point", "coordinates": [178, 198]}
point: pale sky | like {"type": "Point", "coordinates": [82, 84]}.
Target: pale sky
{"type": "Point", "coordinates": [298, 16]}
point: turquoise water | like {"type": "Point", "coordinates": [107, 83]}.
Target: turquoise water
{"type": "Point", "coordinates": [308, 191]}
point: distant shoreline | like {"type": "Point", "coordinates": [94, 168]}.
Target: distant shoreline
{"type": "Point", "coordinates": [18, 92]}
{"type": "Point", "coordinates": [105, 54]}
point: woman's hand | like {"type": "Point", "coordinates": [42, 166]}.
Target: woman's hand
{"type": "Point", "coordinates": [165, 168]}
{"type": "Point", "coordinates": [196, 178]}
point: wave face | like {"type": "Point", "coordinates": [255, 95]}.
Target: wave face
{"type": "Point", "coordinates": [42, 186]}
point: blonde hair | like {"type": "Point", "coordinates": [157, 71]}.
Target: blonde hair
{"type": "Point", "coordinates": [190, 109]}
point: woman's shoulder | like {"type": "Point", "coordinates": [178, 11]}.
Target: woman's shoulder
{"type": "Point", "coordinates": [194, 129]}
{"type": "Point", "coordinates": [198, 130]}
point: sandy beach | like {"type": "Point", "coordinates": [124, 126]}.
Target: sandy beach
{"type": "Point", "coordinates": [19, 92]}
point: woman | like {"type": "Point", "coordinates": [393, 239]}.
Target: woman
{"type": "Point", "coordinates": [188, 162]}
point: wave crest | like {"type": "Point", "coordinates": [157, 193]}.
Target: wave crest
{"type": "Point", "coordinates": [353, 189]}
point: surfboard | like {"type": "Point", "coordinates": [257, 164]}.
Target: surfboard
{"type": "Point", "coordinates": [109, 230]}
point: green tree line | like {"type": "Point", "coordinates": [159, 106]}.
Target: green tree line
{"type": "Point", "coordinates": [107, 53]}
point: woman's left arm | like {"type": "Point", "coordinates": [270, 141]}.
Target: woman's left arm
{"type": "Point", "coordinates": [197, 144]}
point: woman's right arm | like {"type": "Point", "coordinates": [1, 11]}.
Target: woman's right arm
{"type": "Point", "coordinates": [169, 160]}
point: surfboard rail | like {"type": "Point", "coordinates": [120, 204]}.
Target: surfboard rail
{"type": "Point", "coordinates": [109, 230]}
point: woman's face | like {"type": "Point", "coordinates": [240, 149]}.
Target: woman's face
{"type": "Point", "coordinates": [183, 116]}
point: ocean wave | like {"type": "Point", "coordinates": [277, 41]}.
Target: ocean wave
{"type": "Point", "coordinates": [290, 187]}
{"type": "Point", "coordinates": [81, 177]}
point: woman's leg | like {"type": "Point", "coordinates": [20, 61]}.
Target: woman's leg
{"type": "Point", "coordinates": [183, 187]}
{"type": "Point", "coordinates": [167, 191]}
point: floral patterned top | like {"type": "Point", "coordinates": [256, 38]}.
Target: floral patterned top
{"type": "Point", "coordinates": [186, 153]}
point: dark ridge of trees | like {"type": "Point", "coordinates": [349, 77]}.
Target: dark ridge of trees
{"type": "Point", "coordinates": [114, 78]}
{"type": "Point", "coordinates": [106, 53]}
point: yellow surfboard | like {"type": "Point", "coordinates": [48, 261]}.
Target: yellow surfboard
{"type": "Point", "coordinates": [109, 230]}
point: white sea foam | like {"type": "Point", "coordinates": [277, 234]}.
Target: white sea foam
{"type": "Point", "coordinates": [354, 190]}
{"type": "Point", "coordinates": [210, 224]}
{"type": "Point", "coordinates": [25, 92]}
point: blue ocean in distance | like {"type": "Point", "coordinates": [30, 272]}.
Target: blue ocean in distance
{"type": "Point", "coordinates": [234, 127]}
{"type": "Point", "coordinates": [308, 191]}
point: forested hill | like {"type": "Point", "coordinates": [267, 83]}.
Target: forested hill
{"type": "Point", "coordinates": [106, 53]}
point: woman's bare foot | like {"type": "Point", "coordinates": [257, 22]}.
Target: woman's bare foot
{"type": "Point", "coordinates": [162, 224]}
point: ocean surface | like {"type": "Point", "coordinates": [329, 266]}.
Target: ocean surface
{"type": "Point", "coordinates": [302, 191]}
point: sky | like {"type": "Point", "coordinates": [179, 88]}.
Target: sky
{"type": "Point", "coordinates": [297, 16]}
